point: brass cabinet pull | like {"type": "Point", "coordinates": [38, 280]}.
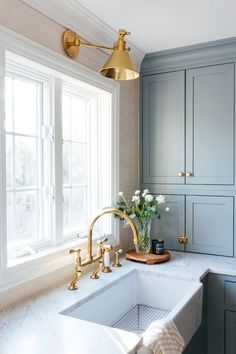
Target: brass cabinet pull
{"type": "Point", "coordinates": [189, 174]}
{"type": "Point", "coordinates": [181, 174]}
{"type": "Point", "coordinates": [183, 239]}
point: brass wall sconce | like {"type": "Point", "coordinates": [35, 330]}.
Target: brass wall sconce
{"type": "Point", "coordinates": [119, 65]}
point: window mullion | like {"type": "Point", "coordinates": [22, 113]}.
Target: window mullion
{"type": "Point", "coordinates": [40, 227]}
{"type": "Point", "coordinates": [3, 223]}
{"type": "Point", "coordinates": [58, 178]}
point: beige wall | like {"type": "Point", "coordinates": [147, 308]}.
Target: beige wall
{"type": "Point", "coordinates": [21, 18]}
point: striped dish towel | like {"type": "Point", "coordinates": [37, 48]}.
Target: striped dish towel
{"type": "Point", "coordinates": [161, 337]}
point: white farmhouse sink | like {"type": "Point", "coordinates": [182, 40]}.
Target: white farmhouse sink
{"type": "Point", "coordinates": [137, 298]}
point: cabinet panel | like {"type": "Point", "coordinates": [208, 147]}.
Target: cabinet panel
{"type": "Point", "coordinates": [210, 125]}
{"type": "Point", "coordinates": [230, 293]}
{"type": "Point", "coordinates": [215, 314]}
{"type": "Point", "coordinates": [171, 224]}
{"type": "Point", "coordinates": [209, 224]}
{"type": "Point", "coordinates": [230, 332]}
{"type": "Point", "coordinates": [221, 318]}
{"type": "Point", "coordinates": [163, 128]}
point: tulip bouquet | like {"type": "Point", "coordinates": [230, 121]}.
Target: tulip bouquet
{"type": "Point", "coordinates": [142, 207]}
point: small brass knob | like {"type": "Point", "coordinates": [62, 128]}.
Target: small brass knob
{"type": "Point", "coordinates": [183, 239]}
{"type": "Point", "coordinates": [180, 174]}
{"type": "Point", "coordinates": [189, 174]}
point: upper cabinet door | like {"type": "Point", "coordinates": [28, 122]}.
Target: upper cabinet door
{"type": "Point", "coordinates": [163, 128]}
{"type": "Point", "coordinates": [210, 125]}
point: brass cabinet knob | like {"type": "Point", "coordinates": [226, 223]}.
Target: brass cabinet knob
{"type": "Point", "coordinates": [183, 239]}
{"type": "Point", "coordinates": [189, 174]}
{"type": "Point", "coordinates": [181, 174]}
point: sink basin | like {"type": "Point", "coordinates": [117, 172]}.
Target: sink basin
{"type": "Point", "coordinates": [140, 297]}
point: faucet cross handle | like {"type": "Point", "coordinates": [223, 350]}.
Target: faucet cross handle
{"type": "Point", "coordinates": [100, 244]}
{"type": "Point", "coordinates": [75, 250]}
{"type": "Point", "coordinates": [78, 261]}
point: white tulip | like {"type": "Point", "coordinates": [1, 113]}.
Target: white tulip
{"type": "Point", "coordinates": [136, 199]}
{"type": "Point", "coordinates": [160, 199]}
{"type": "Point", "coordinates": [148, 198]}
{"type": "Point", "coordinates": [167, 209]}
{"type": "Point", "coordinates": [145, 192]}
{"type": "Point", "coordinates": [137, 192]}
{"type": "Point", "coordinates": [121, 194]}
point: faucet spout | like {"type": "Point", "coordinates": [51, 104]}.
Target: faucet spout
{"type": "Point", "coordinates": [115, 212]}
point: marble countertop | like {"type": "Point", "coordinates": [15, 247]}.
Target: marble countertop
{"type": "Point", "coordinates": [36, 326]}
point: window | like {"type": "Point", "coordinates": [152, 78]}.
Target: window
{"type": "Point", "coordinates": [59, 159]}
{"type": "Point", "coordinates": [76, 142]}
{"type": "Point", "coordinates": [26, 163]}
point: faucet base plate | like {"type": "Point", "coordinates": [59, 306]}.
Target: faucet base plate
{"type": "Point", "coordinates": [94, 276]}
{"type": "Point", "coordinates": [106, 270]}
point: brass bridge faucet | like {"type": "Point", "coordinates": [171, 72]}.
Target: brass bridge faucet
{"type": "Point", "coordinates": [90, 258]}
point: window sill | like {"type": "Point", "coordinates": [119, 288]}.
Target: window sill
{"type": "Point", "coordinates": [54, 251]}
{"type": "Point", "coordinates": [28, 268]}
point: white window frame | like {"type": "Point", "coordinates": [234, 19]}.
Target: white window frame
{"type": "Point", "coordinates": [15, 70]}
{"type": "Point", "coordinates": [57, 257]}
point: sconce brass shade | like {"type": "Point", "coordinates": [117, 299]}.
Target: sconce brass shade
{"type": "Point", "coordinates": [119, 65]}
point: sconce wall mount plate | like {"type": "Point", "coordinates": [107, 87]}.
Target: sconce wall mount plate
{"type": "Point", "coordinates": [71, 43]}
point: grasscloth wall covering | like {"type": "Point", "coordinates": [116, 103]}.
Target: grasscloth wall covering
{"type": "Point", "coordinates": [19, 17]}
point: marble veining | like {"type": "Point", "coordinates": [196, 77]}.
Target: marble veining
{"type": "Point", "coordinates": [36, 325]}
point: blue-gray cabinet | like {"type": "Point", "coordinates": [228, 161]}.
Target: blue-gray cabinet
{"type": "Point", "coordinates": [208, 221]}
{"type": "Point", "coordinates": [188, 148]}
{"type": "Point", "coordinates": [210, 125]}
{"type": "Point", "coordinates": [172, 223]}
{"type": "Point", "coordinates": [163, 127]}
{"type": "Point", "coordinates": [210, 224]}
{"type": "Point", "coordinates": [202, 151]}
{"type": "Point", "coordinates": [221, 314]}
{"type": "Point", "coordinates": [230, 332]}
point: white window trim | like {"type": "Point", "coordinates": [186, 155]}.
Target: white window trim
{"type": "Point", "coordinates": [55, 258]}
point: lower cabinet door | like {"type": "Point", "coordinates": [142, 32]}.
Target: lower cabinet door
{"type": "Point", "coordinates": [209, 224]}
{"type": "Point", "coordinates": [171, 224]}
{"type": "Point", "coordinates": [215, 314]}
{"type": "Point", "coordinates": [230, 332]}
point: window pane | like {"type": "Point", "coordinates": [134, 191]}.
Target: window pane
{"type": "Point", "coordinates": [78, 119]}
{"type": "Point", "coordinates": [66, 116]}
{"type": "Point", "coordinates": [8, 103]}
{"type": "Point", "coordinates": [75, 145]}
{"type": "Point", "coordinates": [26, 218]}
{"type": "Point", "coordinates": [66, 209]}
{"type": "Point", "coordinates": [78, 209]}
{"type": "Point", "coordinates": [9, 161]}
{"type": "Point", "coordinates": [10, 218]}
{"type": "Point", "coordinates": [78, 163]}
{"type": "Point", "coordinates": [66, 162]}
{"type": "Point", "coordinates": [74, 209]}
{"type": "Point", "coordinates": [25, 163]}
{"type": "Point", "coordinates": [25, 107]}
